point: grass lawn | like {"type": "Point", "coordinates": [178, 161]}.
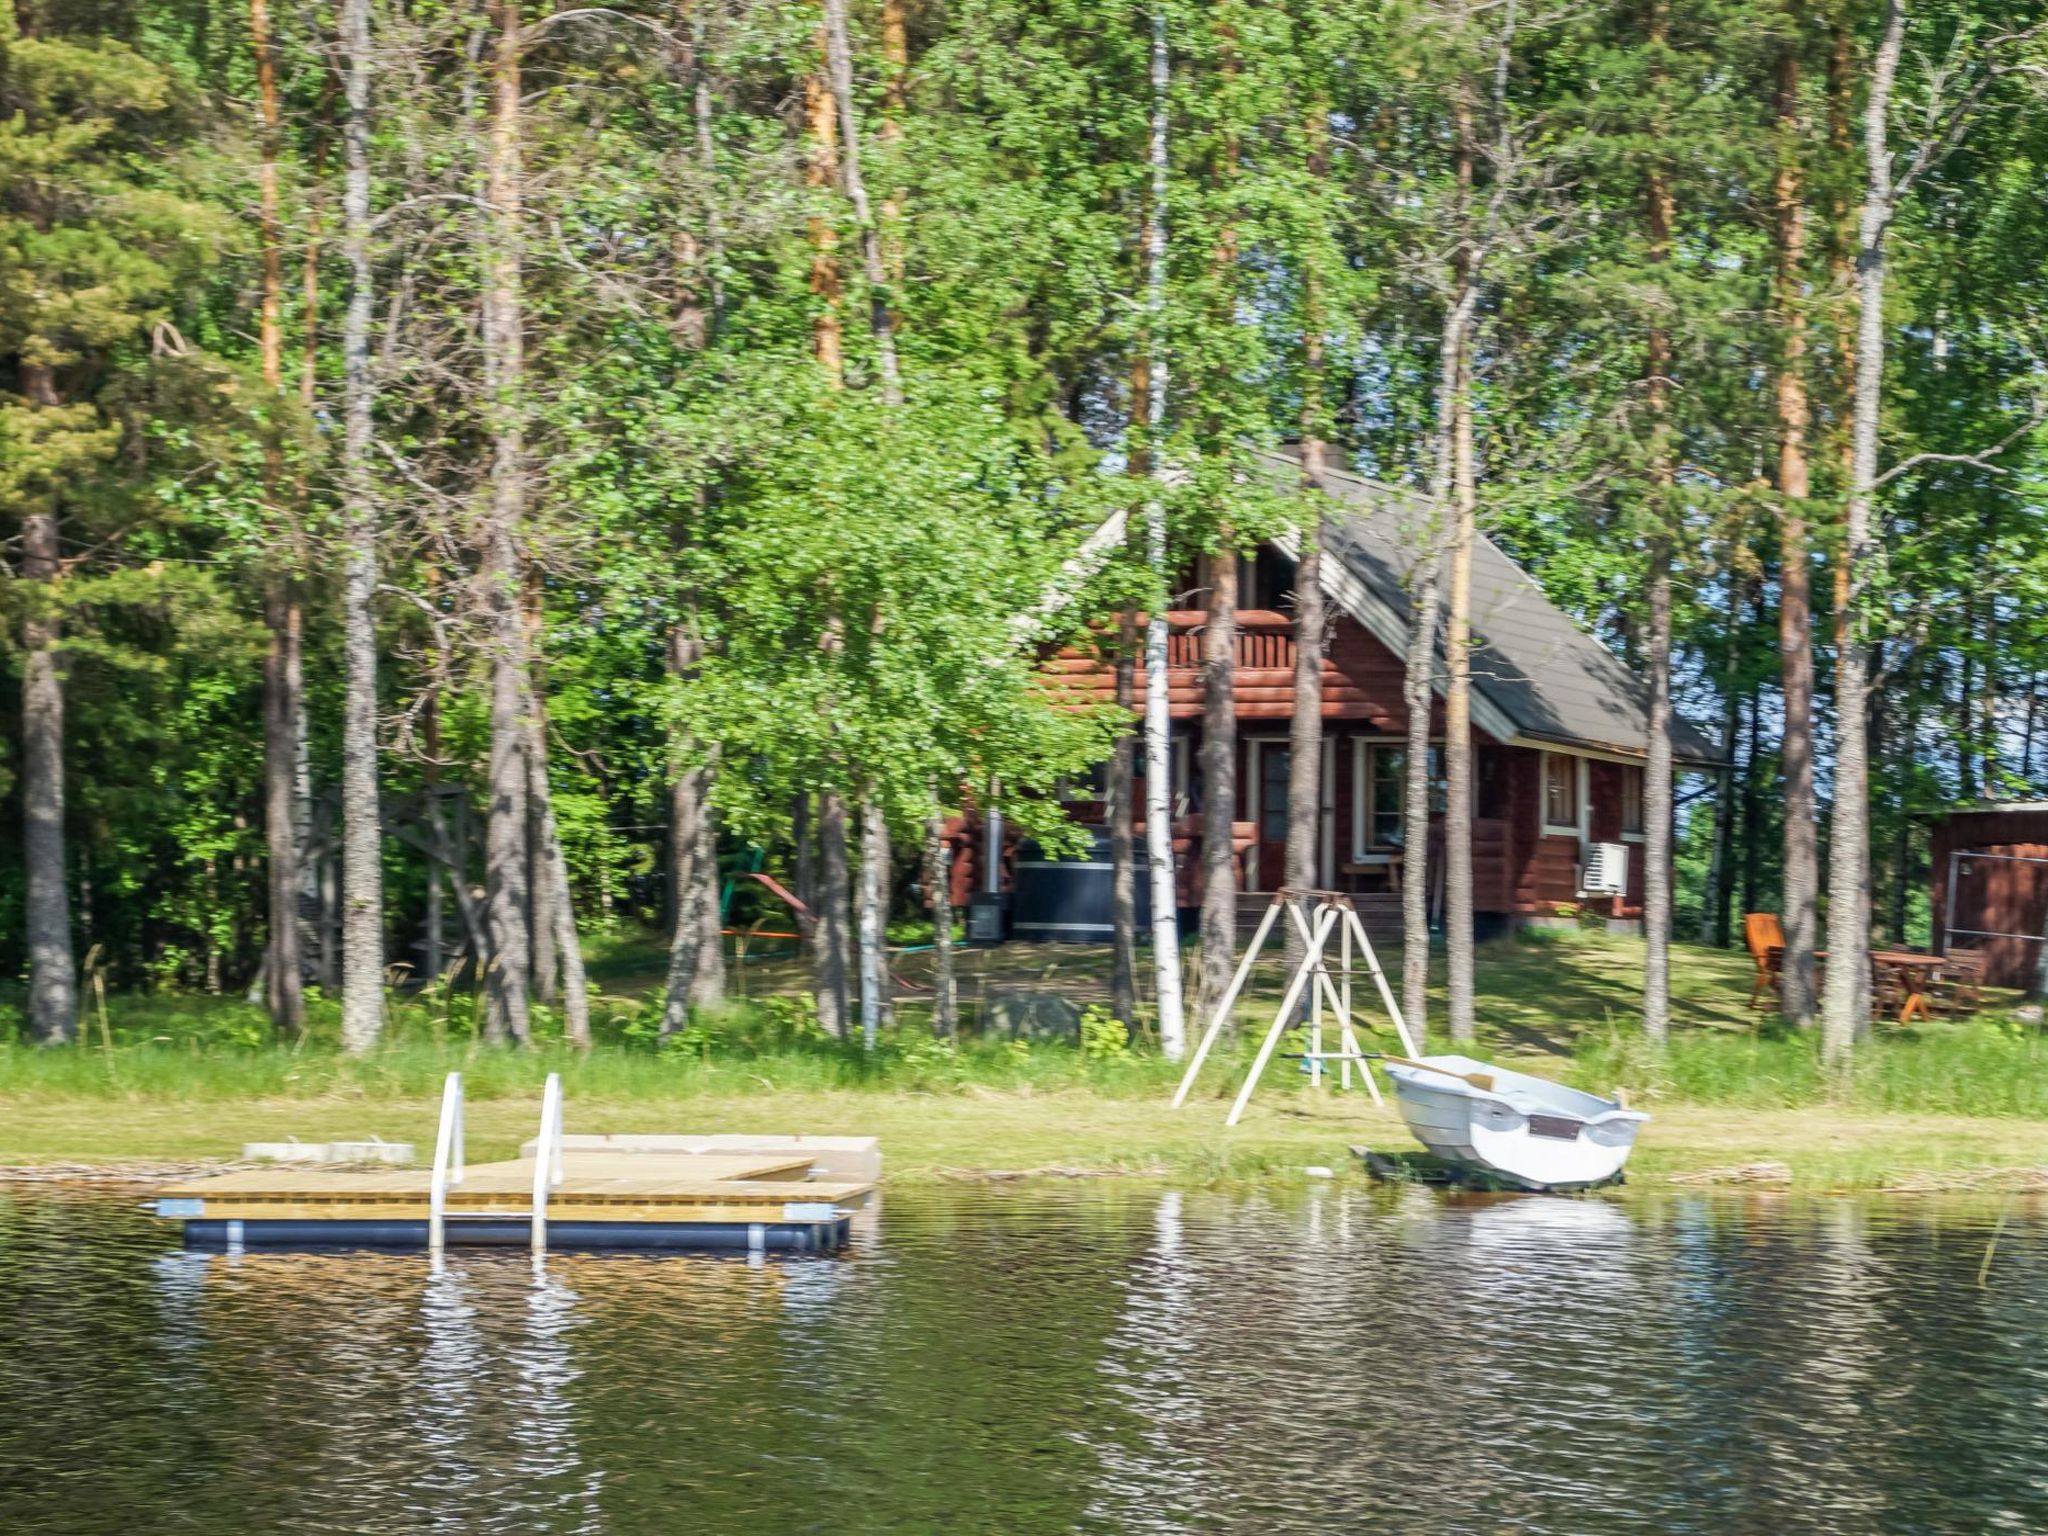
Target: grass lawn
{"type": "Point", "coordinates": [192, 1078]}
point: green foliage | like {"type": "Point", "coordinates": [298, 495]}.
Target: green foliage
{"type": "Point", "coordinates": [1104, 1037]}
{"type": "Point", "coordinates": [854, 573]}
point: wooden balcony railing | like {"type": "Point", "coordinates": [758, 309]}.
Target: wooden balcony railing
{"type": "Point", "coordinates": [1265, 639]}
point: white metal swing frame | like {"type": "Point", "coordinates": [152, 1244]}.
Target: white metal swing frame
{"type": "Point", "coordinates": [1316, 915]}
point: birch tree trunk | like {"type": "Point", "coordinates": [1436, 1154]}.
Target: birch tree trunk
{"type": "Point", "coordinates": [1842, 1019]}
{"type": "Point", "coordinates": [832, 896]}
{"type": "Point", "coordinates": [1801, 918]}
{"type": "Point", "coordinates": [507, 869]}
{"type": "Point", "coordinates": [52, 971]}
{"type": "Point", "coordinates": [875, 1001]}
{"type": "Point", "coordinates": [1842, 267]}
{"type": "Point", "coordinates": [874, 921]}
{"type": "Point", "coordinates": [938, 869]}
{"type": "Point", "coordinates": [1158, 718]}
{"type": "Point", "coordinates": [1123, 859]}
{"type": "Point", "coordinates": [282, 665]}
{"type": "Point", "coordinates": [1458, 719]}
{"type": "Point", "coordinates": [362, 921]}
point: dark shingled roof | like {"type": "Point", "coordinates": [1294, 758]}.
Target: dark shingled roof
{"type": "Point", "coordinates": [1535, 674]}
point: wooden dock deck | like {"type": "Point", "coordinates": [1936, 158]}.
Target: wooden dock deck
{"type": "Point", "coordinates": [762, 1200]}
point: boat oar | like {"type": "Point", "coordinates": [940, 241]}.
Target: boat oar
{"type": "Point", "coordinates": [1483, 1081]}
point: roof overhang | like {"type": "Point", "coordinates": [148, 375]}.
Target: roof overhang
{"type": "Point", "coordinates": [1391, 630]}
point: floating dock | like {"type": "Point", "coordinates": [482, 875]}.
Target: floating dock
{"type": "Point", "coordinates": [770, 1194]}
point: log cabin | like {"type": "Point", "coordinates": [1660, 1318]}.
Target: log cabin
{"type": "Point", "coordinates": [1560, 740]}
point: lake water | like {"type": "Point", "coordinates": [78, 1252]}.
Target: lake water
{"type": "Point", "coordinates": [1093, 1357]}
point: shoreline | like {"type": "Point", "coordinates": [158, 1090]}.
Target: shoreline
{"type": "Point", "coordinates": [1072, 1135]}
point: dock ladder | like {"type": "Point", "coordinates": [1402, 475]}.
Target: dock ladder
{"type": "Point", "coordinates": [448, 1162]}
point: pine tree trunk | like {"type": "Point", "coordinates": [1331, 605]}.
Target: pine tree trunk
{"type": "Point", "coordinates": [1418, 685]}
{"type": "Point", "coordinates": [507, 865]}
{"type": "Point", "coordinates": [821, 170]}
{"type": "Point", "coordinates": [362, 922]}
{"type": "Point", "coordinates": [1166, 988]}
{"type": "Point", "coordinates": [707, 990]}
{"type": "Point", "coordinates": [1842, 1019]}
{"type": "Point", "coordinates": [551, 871]}
{"type": "Point", "coordinates": [1305, 722]}
{"type": "Point", "coordinates": [803, 839]}
{"type": "Point", "coordinates": [52, 971]}
{"type": "Point", "coordinates": [881, 324]}
{"type": "Point", "coordinates": [938, 870]}
{"type": "Point", "coordinates": [1123, 853]}
{"type": "Point", "coordinates": [506, 868]}
{"type": "Point", "coordinates": [1657, 774]}
{"type": "Point", "coordinates": [283, 983]}
{"type": "Point", "coordinates": [1717, 924]}
{"type": "Point", "coordinates": [1752, 808]}
{"type": "Point", "coordinates": [1795, 602]}
{"type": "Point", "coordinates": [1657, 807]}
{"type": "Point", "coordinates": [874, 922]}
{"type": "Point", "coordinates": [696, 955]}
{"type": "Point", "coordinates": [546, 960]}
{"type": "Point", "coordinates": [284, 980]}
{"type": "Point", "coordinates": [1219, 784]}
{"type": "Point", "coordinates": [692, 889]}
{"type": "Point", "coordinates": [833, 898]}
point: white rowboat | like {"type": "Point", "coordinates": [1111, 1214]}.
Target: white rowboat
{"type": "Point", "coordinates": [1526, 1131]}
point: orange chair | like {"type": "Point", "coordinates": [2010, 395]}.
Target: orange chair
{"type": "Point", "coordinates": [1765, 936]}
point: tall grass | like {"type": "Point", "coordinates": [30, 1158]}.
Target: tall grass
{"type": "Point", "coordinates": [171, 1047]}
{"type": "Point", "coordinates": [1985, 1066]}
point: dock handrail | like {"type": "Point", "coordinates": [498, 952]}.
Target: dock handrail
{"type": "Point", "coordinates": [547, 1159]}
{"type": "Point", "coordinates": [447, 1161]}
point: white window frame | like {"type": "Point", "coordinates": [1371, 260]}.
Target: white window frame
{"type": "Point", "coordinates": [1362, 750]}
{"type": "Point", "coordinates": [1579, 828]}
{"type": "Point", "coordinates": [1642, 771]}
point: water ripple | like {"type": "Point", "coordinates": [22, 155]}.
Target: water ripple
{"type": "Point", "coordinates": [1025, 1360]}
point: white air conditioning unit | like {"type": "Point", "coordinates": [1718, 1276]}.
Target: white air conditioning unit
{"type": "Point", "coordinates": [1606, 870]}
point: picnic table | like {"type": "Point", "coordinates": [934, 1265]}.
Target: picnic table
{"type": "Point", "coordinates": [1911, 973]}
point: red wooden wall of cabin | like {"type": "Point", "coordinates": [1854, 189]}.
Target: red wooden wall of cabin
{"type": "Point", "coordinates": [1992, 895]}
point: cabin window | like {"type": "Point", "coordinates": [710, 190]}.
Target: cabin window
{"type": "Point", "coordinates": [1380, 783]}
{"type": "Point", "coordinates": [1180, 781]}
{"type": "Point", "coordinates": [1091, 785]}
{"type": "Point", "coordinates": [1562, 788]}
{"type": "Point", "coordinates": [1631, 802]}
{"type": "Point", "coordinates": [1265, 580]}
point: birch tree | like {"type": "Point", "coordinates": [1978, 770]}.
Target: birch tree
{"type": "Point", "coordinates": [362, 935]}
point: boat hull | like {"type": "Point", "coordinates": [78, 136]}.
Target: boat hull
{"type": "Point", "coordinates": [1526, 1131]}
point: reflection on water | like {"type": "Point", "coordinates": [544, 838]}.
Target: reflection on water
{"type": "Point", "coordinates": [1093, 1358]}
